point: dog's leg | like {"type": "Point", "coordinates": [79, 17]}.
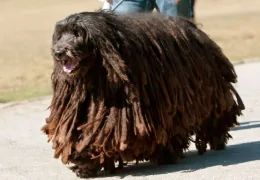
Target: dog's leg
{"type": "Point", "coordinates": [109, 165]}
{"type": "Point", "coordinates": [121, 164]}
{"type": "Point", "coordinates": [200, 141]}
{"type": "Point", "coordinates": [165, 155]}
{"type": "Point", "coordinates": [219, 137]}
{"type": "Point", "coordinates": [215, 131]}
{"type": "Point", "coordinates": [85, 171]}
{"type": "Point", "coordinates": [85, 167]}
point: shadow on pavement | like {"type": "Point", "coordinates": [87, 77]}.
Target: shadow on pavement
{"type": "Point", "coordinates": [248, 122]}
{"type": "Point", "coordinates": [247, 125]}
{"type": "Point", "coordinates": [234, 154]}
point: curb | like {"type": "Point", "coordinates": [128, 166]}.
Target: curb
{"type": "Point", "coordinates": [15, 103]}
{"type": "Point", "coordinates": [245, 61]}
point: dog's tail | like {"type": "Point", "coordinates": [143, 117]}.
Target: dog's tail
{"type": "Point", "coordinates": [240, 103]}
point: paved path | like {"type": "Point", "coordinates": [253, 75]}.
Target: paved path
{"type": "Point", "coordinates": [26, 155]}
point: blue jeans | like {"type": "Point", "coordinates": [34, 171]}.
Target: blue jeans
{"type": "Point", "coordinates": [167, 7]}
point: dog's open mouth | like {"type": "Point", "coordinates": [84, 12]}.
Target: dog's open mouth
{"type": "Point", "coordinates": [70, 65]}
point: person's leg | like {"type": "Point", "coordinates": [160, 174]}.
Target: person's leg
{"type": "Point", "coordinates": [192, 9]}
{"type": "Point", "coordinates": [131, 6]}
{"type": "Point", "coordinates": [175, 7]}
{"type": "Point", "coordinates": [167, 7]}
{"type": "Point", "coordinates": [185, 8]}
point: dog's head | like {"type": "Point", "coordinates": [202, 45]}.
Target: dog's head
{"type": "Point", "coordinates": [71, 49]}
{"type": "Point", "coordinates": [89, 42]}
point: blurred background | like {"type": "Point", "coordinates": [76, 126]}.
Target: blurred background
{"type": "Point", "coordinates": [26, 28]}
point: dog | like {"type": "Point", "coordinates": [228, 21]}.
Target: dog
{"type": "Point", "coordinates": [136, 87]}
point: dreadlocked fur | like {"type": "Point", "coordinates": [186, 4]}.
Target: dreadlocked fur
{"type": "Point", "coordinates": [137, 87]}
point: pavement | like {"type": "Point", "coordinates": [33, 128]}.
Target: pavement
{"type": "Point", "coordinates": [26, 155]}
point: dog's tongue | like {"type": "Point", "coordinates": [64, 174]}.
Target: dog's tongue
{"type": "Point", "coordinates": [69, 66]}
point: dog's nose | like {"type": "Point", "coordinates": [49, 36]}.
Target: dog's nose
{"type": "Point", "coordinates": [59, 53]}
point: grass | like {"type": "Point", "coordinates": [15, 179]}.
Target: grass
{"type": "Point", "coordinates": [27, 26]}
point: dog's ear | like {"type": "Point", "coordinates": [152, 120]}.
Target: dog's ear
{"type": "Point", "coordinates": [58, 28]}
{"type": "Point", "coordinates": [66, 23]}
{"type": "Point", "coordinates": [60, 25]}
{"type": "Point", "coordinates": [76, 27]}
{"type": "Point", "coordinates": [82, 30]}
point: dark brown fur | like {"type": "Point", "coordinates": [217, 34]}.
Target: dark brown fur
{"type": "Point", "coordinates": [145, 83]}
